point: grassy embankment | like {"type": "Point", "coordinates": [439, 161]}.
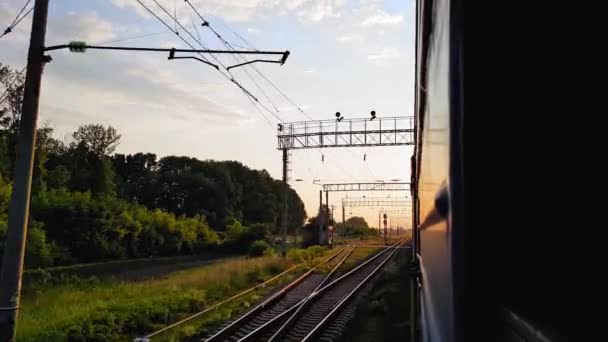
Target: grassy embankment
{"type": "Point", "coordinates": [110, 310]}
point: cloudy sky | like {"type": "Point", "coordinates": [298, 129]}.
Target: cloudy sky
{"type": "Point", "coordinates": [348, 56]}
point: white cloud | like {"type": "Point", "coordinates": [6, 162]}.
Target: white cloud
{"type": "Point", "coordinates": [253, 30]}
{"type": "Point", "coordinates": [351, 38]}
{"type": "Point", "coordinates": [384, 56]}
{"type": "Point", "coordinates": [247, 10]}
{"type": "Point", "coordinates": [382, 19]}
{"type": "Point", "coordinates": [129, 3]}
{"type": "Point", "coordinates": [318, 10]}
{"type": "Point", "coordinates": [83, 26]}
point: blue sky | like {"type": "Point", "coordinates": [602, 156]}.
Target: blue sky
{"type": "Point", "coordinates": [347, 56]}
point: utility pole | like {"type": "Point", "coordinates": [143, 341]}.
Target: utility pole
{"type": "Point", "coordinates": [343, 223]}
{"type": "Point", "coordinates": [285, 208]}
{"type": "Point", "coordinates": [319, 217]}
{"type": "Point", "coordinates": [327, 199]}
{"type": "Point", "coordinates": [385, 236]}
{"type": "Point", "coordinates": [12, 260]}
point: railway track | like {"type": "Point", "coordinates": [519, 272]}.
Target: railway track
{"type": "Point", "coordinates": [306, 310]}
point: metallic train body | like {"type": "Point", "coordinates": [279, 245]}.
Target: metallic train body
{"type": "Point", "coordinates": [437, 167]}
{"type": "Point", "coordinates": [486, 282]}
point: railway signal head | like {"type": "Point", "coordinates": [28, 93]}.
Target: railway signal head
{"type": "Point", "coordinates": [339, 117]}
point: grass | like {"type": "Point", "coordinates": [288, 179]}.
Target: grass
{"type": "Point", "coordinates": [359, 254]}
{"type": "Point", "coordinates": [383, 312]}
{"type": "Point", "coordinates": [110, 310]}
{"type": "Point", "coordinates": [200, 327]}
{"type": "Point", "coordinates": [132, 269]}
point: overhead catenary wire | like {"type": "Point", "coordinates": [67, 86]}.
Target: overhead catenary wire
{"type": "Point", "coordinates": [250, 46]}
{"type": "Point", "coordinates": [226, 75]}
{"type": "Point", "coordinates": [188, 32]}
{"type": "Point", "coordinates": [206, 23]}
{"type": "Point", "coordinates": [261, 113]}
{"type": "Point", "coordinates": [229, 45]}
{"type": "Point", "coordinates": [18, 18]}
{"type": "Point", "coordinates": [230, 76]}
{"type": "Point", "coordinates": [252, 66]}
{"type": "Point", "coordinates": [244, 47]}
{"type": "Point", "coordinates": [129, 38]}
{"type": "Point", "coordinates": [237, 58]}
{"type": "Point", "coordinates": [21, 11]}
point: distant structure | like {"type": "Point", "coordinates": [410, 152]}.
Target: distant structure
{"type": "Point", "coordinates": [320, 230]}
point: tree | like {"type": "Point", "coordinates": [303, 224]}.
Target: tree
{"type": "Point", "coordinates": [357, 222]}
{"type": "Point", "coordinates": [97, 139]}
{"type": "Point", "coordinates": [11, 94]}
{"type": "Point", "coordinates": [355, 226]}
{"type": "Point", "coordinates": [89, 154]}
{"type": "Point", "coordinates": [137, 177]}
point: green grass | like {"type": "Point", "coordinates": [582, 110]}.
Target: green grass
{"type": "Point", "coordinates": [383, 311]}
{"type": "Point", "coordinates": [359, 254]}
{"type": "Point", "coordinates": [199, 327]}
{"type": "Point", "coordinates": [109, 310]}
{"type": "Point", "coordinates": [133, 268]}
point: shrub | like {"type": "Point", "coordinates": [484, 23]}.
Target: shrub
{"type": "Point", "coordinates": [259, 248]}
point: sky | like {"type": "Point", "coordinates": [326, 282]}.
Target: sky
{"type": "Point", "coordinates": [346, 56]}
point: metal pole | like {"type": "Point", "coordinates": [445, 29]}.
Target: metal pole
{"type": "Point", "coordinates": [320, 217]}
{"type": "Point", "coordinates": [385, 236]}
{"type": "Point", "coordinates": [285, 209]}
{"type": "Point", "coordinates": [343, 222]}
{"type": "Point", "coordinates": [12, 260]}
{"type": "Point", "coordinates": [327, 208]}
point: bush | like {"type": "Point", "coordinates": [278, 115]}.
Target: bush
{"type": "Point", "coordinates": [316, 251]}
{"type": "Point", "coordinates": [296, 255]}
{"type": "Point", "coordinates": [239, 238]}
{"type": "Point", "coordinates": [308, 255]}
{"type": "Point", "coordinates": [260, 248]}
{"type": "Point", "coordinates": [94, 228]}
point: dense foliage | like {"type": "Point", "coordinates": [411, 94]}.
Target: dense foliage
{"type": "Point", "coordinates": [89, 204]}
{"type": "Point", "coordinates": [356, 227]}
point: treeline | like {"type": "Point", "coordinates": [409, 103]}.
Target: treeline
{"type": "Point", "coordinates": [89, 204]}
{"type": "Point", "coordinates": [355, 226]}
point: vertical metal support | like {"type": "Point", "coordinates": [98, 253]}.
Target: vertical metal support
{"type": "Point", "coordinates": [385, 235]}
{"type": "Point", "coordinates": [336, 135]}
{"type": "Point", "coordinates": [285, 204]}
{"type": "Point", "coordinates": [350, 132]}
{"type": "Point", "coordinates": [12, 260]}
{"type": "Point", "coordinates": [395, 130]}
{"type": "Point", "coordinates": [343, 222]}
{"type": "Point", "coordinates": [327, 208]}
{"type": "Point", "coordinates": [365, 132]}
{"type": "Point", "coordinates": [380, 131]}
{"type": "Point", "coordinates": [320, 217]}
{"type": "Point", "coordinates": [321, 133]}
